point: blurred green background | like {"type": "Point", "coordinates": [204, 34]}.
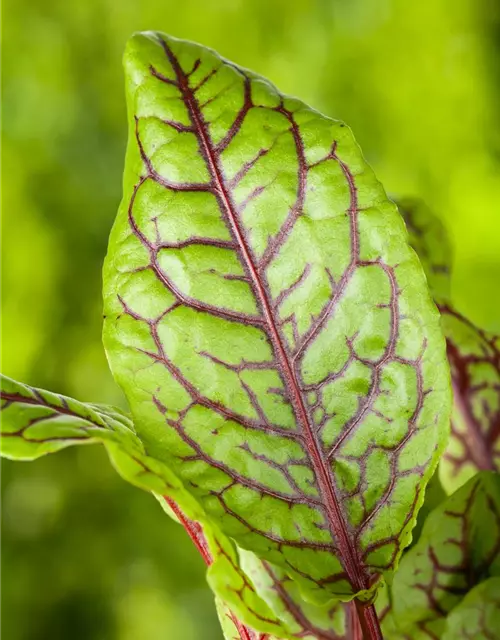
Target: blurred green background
{"type": "Point", "coordinates": [84, 555]}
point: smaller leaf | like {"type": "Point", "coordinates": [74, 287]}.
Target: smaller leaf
{"type": "Point", "coordinates": [434, 496]}
{"type": "Point", "coordinates": [232, 628]}
{"type": "Point", "coordinates": [385, 612]}
{"type": "Point", "coordinates": [478, 616]}
{"type": "Point", "coordinates": [302, 619]}
{"type": "Point", "coordinates": [429, 239]}
{"type": "Point", "coordinates": [36, 422]}
{"type": "Point", "coordinates": [474, 357]}
{"type": "Point", "coordinates": [459, 547]}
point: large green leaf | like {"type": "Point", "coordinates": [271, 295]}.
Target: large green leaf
{"type": "Point", "coordinates": [458, 548]}
{"type": "Point", "coordinates": [477, 617]}
{"type": "Point", "coordinates": [35, 422]}
{"type": "Point", "coordinates": [268, 323]}
{"type": "Point", "coordinates": [474, 357]}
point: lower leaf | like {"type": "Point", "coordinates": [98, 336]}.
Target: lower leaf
{"type": "Point", "coordinates": [36, 422]}
{"type": "Point", "coordinates": [458, 548]}
{"type": "Point", "coordinates": [478, 616]}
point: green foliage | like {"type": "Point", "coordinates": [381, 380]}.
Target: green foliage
{"type": "Point", "coordinates": [429, 238]}
{"type": "Point", "coordinates": [474, 357]}
{"type": "Point", "coordinates": [37, 422]}
{"type": "Point", "coordinates": [277, 347]}
{"type": "Point", "coordinates": [301, 618]}
{"type": "Point", "coordinates": [458, 548]}
{"type": "Point", "coordinates": [289, 393]}
{"type": "Point", "coordinates": [478, 615]}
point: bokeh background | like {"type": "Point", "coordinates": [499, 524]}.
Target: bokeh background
{"type": "Point", "coordinates": [84, 555]}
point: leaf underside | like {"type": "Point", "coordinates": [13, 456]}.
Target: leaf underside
{"type": "Point", "coordinates": [474, 357]}
{"type": "Point", "coordinates": [458, 548]}
{"type": "Point", "coordinates": [268, 323]}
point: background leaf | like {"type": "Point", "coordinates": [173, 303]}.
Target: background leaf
{"type": "Point", "coordinates": [429, 238]}
{"type": "Point", "coordinates": [474, 357]}
{"type": "Point", "coordinates": [385, 613]}
{"type": "Point", "coordinates": [458, 548]}
{"type": "Point", "coordinates": [478, 615]}
{"type": "Point", "coordinates": [268, 323]}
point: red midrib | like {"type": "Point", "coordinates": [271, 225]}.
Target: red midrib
{"type": "Point", "coordinates": [358, 578]}
{"type": "Point", "coordinates": [194, 531]}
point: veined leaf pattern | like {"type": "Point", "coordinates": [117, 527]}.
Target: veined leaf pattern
{"type": "Point", "coordinates": [474, 357]}
{"type": "Point", "coordinates": [36, 422]}
{"type": "Point", "coordinates": [232, 628]}
{"type": "Point", "coordinates": [458, 548]}
{"type": "Point", "coordinates": [478, 616]}
{"type": "Point", "coordinates": [268, 323]}
{"type": "Point", "coordinates": [299, 619]}
{"type": "Point", "coordinates": [386, 615]}
{"type": "Point", "coordinates": [332, 621]}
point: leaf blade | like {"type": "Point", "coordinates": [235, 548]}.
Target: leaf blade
{"type": "Point", "coordinates": [229, 414]}
{"type": "Point", "coordinates": [36, 422]}
{"type": "Point", "coordinates": [474, 357]}
{"type": "Point", "coordinates": [478, 615]}
{"type": "Point", "coordinates": [459, 547]}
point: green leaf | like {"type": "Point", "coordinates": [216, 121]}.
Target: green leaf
{"type": "Point", "coordinates": [434, 496]}
{"type": "Point", "coordinates": [458, 548]}
{"type": "Point", "coordinates": [35, 422]}
{"type": "Point", "coordinates": [232, 628]}
{"type": "Point", "coordinates": [385, 614]}
{"type": "Point", "coordinates": [301, 619]}
{"type": "Point", "coordinates": [66, 421]}
{"type": "Point", "coordinates": [429, 238]}
{"type": "Point", "coordinates": [268, 323]}
{"type": "Point", "coordinates": [474, 356]}
{"type": "Point", "coordinates": [478, 615]}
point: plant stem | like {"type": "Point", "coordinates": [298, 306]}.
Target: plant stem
{"type": "Point", "coordinates": [368, 620]}
{"type": "Point", "coordinates": [353, 628]}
